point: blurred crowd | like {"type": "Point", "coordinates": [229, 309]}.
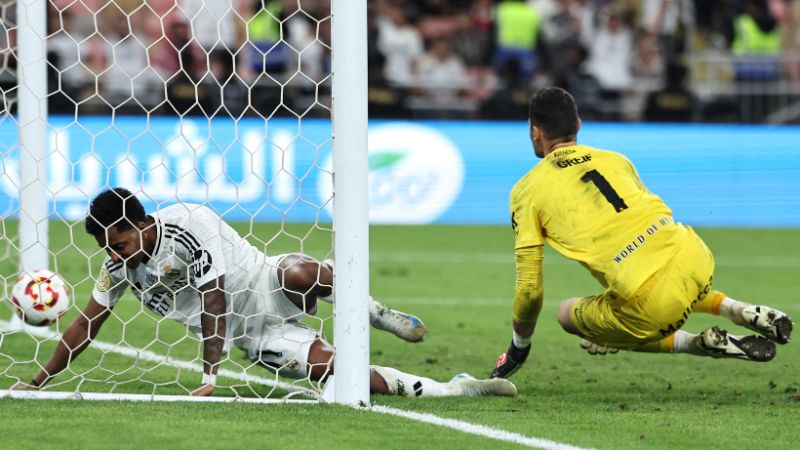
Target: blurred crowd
{"type": "Point", "coordinates": [655, 60]}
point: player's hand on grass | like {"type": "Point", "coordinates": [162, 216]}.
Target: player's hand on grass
{"type": "Point", "coordinates": [203, 391]}
{"type": "Point", "coordinates": [23, 386]}
{"type": "Point", "coordinates": [596, 349]}
{"type": "Point", "coordinates": [510, 361]}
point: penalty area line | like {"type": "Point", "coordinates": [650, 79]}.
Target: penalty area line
{"type": "Point", "coordinates": [478, 430]}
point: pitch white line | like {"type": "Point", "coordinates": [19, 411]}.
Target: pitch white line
{"type": "Point", "coordinates": [784, 262]}
{"type": "Point", "coordinates": [132, 352]}
{"type": "Point", "coordinates": [97, 396]}
{"type": "Point", "coordinates": [147, 355]}
{"type": "Point", "coordinates": [479, 430]}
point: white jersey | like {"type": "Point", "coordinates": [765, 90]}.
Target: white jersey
{"type": "Point", "coordinates": [193, 247]}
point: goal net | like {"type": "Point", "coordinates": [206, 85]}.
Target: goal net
{"type": "Point", "coordinates": [225, 104]}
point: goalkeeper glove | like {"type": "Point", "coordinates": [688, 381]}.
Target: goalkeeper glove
{"type": "Point", "coordinates": [510, 361]}
{"type": "Point", "coordinates": [595, 349]}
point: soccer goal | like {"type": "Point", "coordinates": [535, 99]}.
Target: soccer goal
{"type": "Point", "coordinates": [256, 112]}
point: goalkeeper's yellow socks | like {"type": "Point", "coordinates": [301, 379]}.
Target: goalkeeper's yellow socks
{"type": "Point", "coordinates": [678, 342]}
{"type": "Point", "coordinates": [710, 304]}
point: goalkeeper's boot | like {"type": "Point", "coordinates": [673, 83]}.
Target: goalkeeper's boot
{"type": "Point", "coordinates": [466, 385]}
{"type": "Point", "coordinates": [771, 323]}
{"type": "Point", "coordinates": [405, 326]}
{"type": "Point", "coordinates": [717, 343]}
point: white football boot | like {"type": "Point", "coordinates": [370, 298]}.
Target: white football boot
{"type": "Point", "coordinates": [717, 343]}
{"type": "Point", "coordinates": [466, 385]}
{"type": "Point", "coordinates": [771, 323]}
{"type": "Point", "coordinates": [405, 326]}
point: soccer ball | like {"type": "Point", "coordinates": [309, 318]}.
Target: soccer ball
{"type": "Point", "coordinates": [40, 297]}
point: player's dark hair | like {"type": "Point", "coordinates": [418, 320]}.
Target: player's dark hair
{"type": "Point", "coordinates": [116, 207]}
{"type": "Point", "coordinates": [553, 110]}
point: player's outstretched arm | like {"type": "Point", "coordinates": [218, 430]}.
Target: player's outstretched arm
{"type": "Point", "coordinates": [78, 336]}
{"type": "Point", "coordinates": [212, 322]}
{"type": "Point", "coordinates": [527, 306]}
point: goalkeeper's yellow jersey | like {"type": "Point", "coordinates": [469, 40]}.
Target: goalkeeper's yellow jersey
{"type": "Point", "coordinates": [592, 207]}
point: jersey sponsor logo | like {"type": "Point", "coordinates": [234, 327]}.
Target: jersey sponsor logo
{"type": "Point", "coordinates": [103, 283]}
{"type": "Point", "coordinates": [560, 153]}
{"type": "Point", "coordinates": [641, 239]}
{"type": "Point", "coordinates": [201, 263]}
{"type": "Point", "coordinates": [201, 259]}
{"type": "Point", "coordinates": [158, 302]}
{"type": "Point", "coordinates": [673, 327]}
{"type": "Point", "coordinates": [564, 163]}
{"type": "Point", "coordinates": [415, 174]}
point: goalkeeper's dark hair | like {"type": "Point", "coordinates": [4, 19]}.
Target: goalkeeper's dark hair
{"type": "Point", "coordinates": [553, 110]}
{"type": "Point", "coordinates": [116, 207]}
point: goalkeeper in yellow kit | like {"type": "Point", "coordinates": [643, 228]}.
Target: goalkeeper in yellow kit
{"type": "Point", "coordinates": [592, 207]}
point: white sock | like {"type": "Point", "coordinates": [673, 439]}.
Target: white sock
{"type": "Point", "coordinates": [408, 385]}
{"type": "Point", "coordinates": [520, 342]}
{"type": "Point", "coordinates": [373, 306]}
{"type": "Point", "coordinates": [684, 343]}
{"type": "Point", "coordinates": [732, 309]}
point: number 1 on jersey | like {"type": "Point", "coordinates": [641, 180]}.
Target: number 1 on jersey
{"type": "Point", "coordinates": [605, 188]}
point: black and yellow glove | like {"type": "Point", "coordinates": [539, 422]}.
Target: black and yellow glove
{"type": "Point", "coordinates": [510, 361]}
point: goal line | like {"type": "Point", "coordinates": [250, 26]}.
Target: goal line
{"type": "Point", "coordinates": [146, 355]}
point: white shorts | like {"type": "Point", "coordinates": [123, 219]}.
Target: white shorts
{"type": "Point", "coordinates": [266, 324]}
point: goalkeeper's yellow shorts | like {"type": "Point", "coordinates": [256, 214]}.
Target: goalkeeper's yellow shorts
{"type": "Point", "coordinates": [658, 309]}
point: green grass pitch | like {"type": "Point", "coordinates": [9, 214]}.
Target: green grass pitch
{"type": "Point", "coordinates": [459, 279]}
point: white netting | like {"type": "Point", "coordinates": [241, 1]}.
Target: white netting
{"type": "Point", "coordinates": [221, 103]}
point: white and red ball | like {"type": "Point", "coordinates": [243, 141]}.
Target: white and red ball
{"type": "Point", "coordinates": [40, 297]}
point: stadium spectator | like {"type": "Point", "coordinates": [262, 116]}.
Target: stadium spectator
{"type": "Point", "coordinates": [757, 42]}
{"type": "Point", "coordinates": [510, 96]}
{"type": "Point", "coordinates": [176, 51]}
{"type": "Point", "coordinates": [663, 20]}
{"type": "Point", "coordinates": [610, 59]}
{"type": "Point", "coordinates": [401, 44]}
{"type": "Point", "coordinates": [63, 41]}
{"type": "Point", "coordinates": [470, 42]}
{"type": "Point", "coordinates": [518, 25]}
{"type": "Point", "coordinates": [124, 72]}
{"type": "Point", "coordinates": [577, 80]}
{"type": "Point", "coordinates": [791, 43]}
{"type": "Point", "coordinates": [215, 23]}
{"type": "Point", "coordinates": [186, 263]}
{"type": "Point", "coordinates": [441, 77]}
{"type": "Point", "coordinates": [655, 271]}
{"type": "Point", "coordinates": [561, 34]}
{"type": "Point", "coordinates": [674, 103]}
{"type": "Point", "coordinates": [384, 100]}
{"type": "Point", "coordinates": [184, 92]}
{"type": "Point", "coordinates": [269, 53]}
{"type": "Point", "coordinates": [227, 93]}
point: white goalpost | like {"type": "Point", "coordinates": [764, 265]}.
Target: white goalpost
{"type": "Point", "coordinates": [233, 109]}
{"type": "Point", "coordinates": [32, 122]}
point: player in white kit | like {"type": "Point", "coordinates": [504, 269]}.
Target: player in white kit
{"type": "Point", "coordinates": [185, 263]}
